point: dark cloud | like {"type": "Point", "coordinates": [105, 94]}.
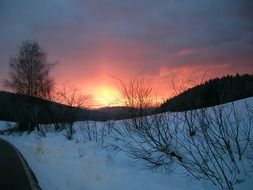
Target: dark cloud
{"type": "Point", "coordinates": [130, 36]}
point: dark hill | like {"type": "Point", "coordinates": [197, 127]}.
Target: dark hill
{"type": "Point", "coordinates": [212, 92]}
{"type": "Point", "coordinates": [21, 108]}
{"type": "Point", "coordinates": [17, 107]}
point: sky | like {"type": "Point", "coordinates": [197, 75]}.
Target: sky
{"type": "Point", "coordinates": [166, 41]}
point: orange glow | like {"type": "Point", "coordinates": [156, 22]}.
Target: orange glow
{"type": "Point", "coordinates": [106, 96]}
{"type": "Point", "coordinates": [100, 84]}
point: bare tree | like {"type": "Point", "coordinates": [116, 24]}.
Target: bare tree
{"type": "Point", "coordinates": [29, 75]}
{"type": "Point", "coordinates": [29, 71]}
{"type": "Point", "coordinates": [74, 100]}
{"type": "Point", "coordinates": [213, 144]}
{"type": "Point", "coordinates": [138, 98]}
{"type": "Point", "coordinates": [218, 150]}
{"type": "Point", "coordinates": [149, 135]}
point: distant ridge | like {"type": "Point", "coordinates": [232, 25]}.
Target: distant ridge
{"type": "Point", "coordinates": [17, 107]}
{"type": "Point", "coordinates": [213, 92]}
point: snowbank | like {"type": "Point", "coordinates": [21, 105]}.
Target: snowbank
{"type": "Point", "coordinates": [65, 165]}
{"type": "Point", "coordinates": [4, 125]}
{"type": "Point", "coordinates": [95, 162]}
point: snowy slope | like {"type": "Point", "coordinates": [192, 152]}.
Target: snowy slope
{"type": "Point", "coordinates": [6, 125]}
{"type": "Point", "coordinates": [65, 165]}
{"type": "Point", "coordinates": [96, 162]}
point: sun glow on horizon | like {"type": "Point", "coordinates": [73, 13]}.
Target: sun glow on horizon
{"type": "Point", "coordinates": [104, 96]}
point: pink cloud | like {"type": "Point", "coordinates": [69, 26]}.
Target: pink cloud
{"type": "Point", "coordinates": [186, 51]}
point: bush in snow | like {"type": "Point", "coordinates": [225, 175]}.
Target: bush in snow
{"type": "Point", "coordinates": [213, 144]}
{"type": "Point", "coordinates": [74, 100]}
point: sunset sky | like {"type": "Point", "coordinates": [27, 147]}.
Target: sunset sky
{"type": "Point", "coordinates": [163, 40]}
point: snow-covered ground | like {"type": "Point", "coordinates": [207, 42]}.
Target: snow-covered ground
{"type": "Point", "coordinates": [95, 162]}
{"type": "Point", "coordinates": [6, 125]}
{"type": "Point", "coordinates": [65, 165]}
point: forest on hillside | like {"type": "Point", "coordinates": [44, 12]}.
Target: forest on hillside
{"type": "Point", "coordinates": [212, 92]}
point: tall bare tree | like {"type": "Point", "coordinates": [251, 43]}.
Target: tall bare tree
{"type": "Point", "coordinates": [29, 71]}
{"type": "Point", "coordinates": [29, 75]}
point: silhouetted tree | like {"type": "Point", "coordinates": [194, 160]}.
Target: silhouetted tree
{"type": "Point", "coordinates": [29, 71]}
{"type": "Point", "coordinates": [29, 75]}
{"type": "Point", "coordinates": [74, 101]}
{"type": "Point", "coordinates": [211, 144]}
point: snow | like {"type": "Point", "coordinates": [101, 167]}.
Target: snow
{"type": "Point", "coordinates": [96, 162]}
{"type": "Point", "coordinates": [62, 164]}
{"type": "Point", "coordinates": [6, 125]}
